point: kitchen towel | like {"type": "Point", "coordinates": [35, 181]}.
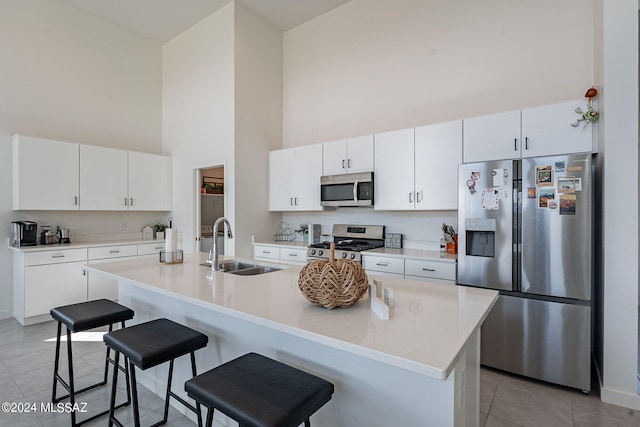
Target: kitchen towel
{"type": "Point", "coordinates": [171, 240]}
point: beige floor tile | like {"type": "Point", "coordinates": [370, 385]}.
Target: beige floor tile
{"type": "Point", "coordinates": [497, 422]}
{"type": "Point", "coordinates": [489, 380]}
{"type": "Point", "coordinates": [591, 411]}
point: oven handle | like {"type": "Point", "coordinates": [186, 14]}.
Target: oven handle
{"type": "Point", "coordinates": [355, 191]}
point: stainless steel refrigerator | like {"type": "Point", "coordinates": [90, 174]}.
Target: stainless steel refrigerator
{"type": "Point", "coordinates": [525, 229]}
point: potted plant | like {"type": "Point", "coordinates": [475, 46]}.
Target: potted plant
{"type": "Point", "coordinates": [158, 230]}
{"type": "Point", "coordinates": [304, 230]}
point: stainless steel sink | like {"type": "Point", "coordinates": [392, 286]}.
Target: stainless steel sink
{"type": "Point", "coordinates": [242, 268]}
{"type": "Point", "coordinates": [258, 269]}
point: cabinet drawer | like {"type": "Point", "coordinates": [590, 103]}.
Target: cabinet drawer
{"type": "Point", "coordinates": [262, 251]}
{"type": "Point", "coordinates": [150, 248]}
{"type": "Point", "coordinates": [384, 264]}
{"type": "Point", "coordinates": [431, 269]}
{"type": "Point", "coordinates": [118, 251]}
{"type": "Point", "coordinates": [295, 255]}
{"type": "Point", "coordinates": [55, 257]}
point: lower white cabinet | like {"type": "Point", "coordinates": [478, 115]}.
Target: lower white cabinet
{"type": "Point", "coordinates": [291, 255]}
{"type": "Point", "coordinates": [98, 285]}
{"type": "Point", "coordinates": [52, 285]}
{"type": "Point", "coordinates": [150, 249]}
{"type": "Point", "coordinates": [431, 270]}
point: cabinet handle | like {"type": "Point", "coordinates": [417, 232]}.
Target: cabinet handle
{"type": "Point", "coordinates": [75, 200]}
{"type": "Point", "coordinates": [349, 163]}
{"type": "Point", "coordinates": [419, 196]}
{"type": "Point", "coordinates": [382, 264]}
{"type": "Point", "coordinates": [57, 256]}
{"type": "Point", "coordinates": [266, 252]}
{"type": "Point", "coordinates": [126, 201]}
{"type": "Point", "coordinates": [84, 272]}
{"type": "Point", "coordinates": [296, 201]}
{"type": "Point", "coordinates": [158, 247]}
{"type": "Point", "coordinates": [411, 197]}
{"type": "Point", "coordinates": [114, 251]}
{"type": "Point", "coordinates": [293, 254]}
{"type": "Point", "coordinates": [526, 142]}
{"type": "Point", "coordinates": [428, 269]}
{"type": "Point", "coordinates": [131, 203]}
{"type": "Point", "coordinates": [342, 163]}
{"type": "Point", "coordinates": [291, 201]}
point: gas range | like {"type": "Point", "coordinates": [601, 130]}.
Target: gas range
{"type": "Point", "coordinates": [350, 240]}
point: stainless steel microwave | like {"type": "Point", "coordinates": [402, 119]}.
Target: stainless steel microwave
{"type": "Point", "coordinates": [354, 189]}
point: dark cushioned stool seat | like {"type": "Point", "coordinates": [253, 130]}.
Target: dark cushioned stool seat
{"type": "Point", "coordinates": [155, 342]}
{"type": "Point", "coordinates": [149, 344]}
{"type": "Point", "coordinates": [91, 314]}
{"type": "Point", "coordinates": [257, 391]}
{"type": "Point", "coordinates": [81, 317]}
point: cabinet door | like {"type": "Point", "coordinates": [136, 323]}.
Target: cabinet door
{"type": "Point", "coordinates": [493, 137]}
{"type": "Point", "coordinates": [100, 286]}
{"type": "Point", "coordinates": [438, 152]}
{"type": "Point", "coordinates": [547, 130]}
{"type": "Point", "coordinates": [45, 174]}
{"type": "Point", "coordinates": [103, 178]}
{"type": "Point", "coordinates": [281, 179]}
{"type": "Point", "coordinates": [393, 174]}
{"type": "Point", "coordinates": [49, 286]}
{"type": "Point", "coordinates": [360, 154]}
{"type": "Point", "coordinates": [149, 182]}
{"type": "Point", "coordinates": [334, 157]}
{"type": "Point", "coordinates": [307, 170]}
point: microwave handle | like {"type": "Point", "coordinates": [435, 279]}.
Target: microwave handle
{"type": "Point", "coordinates": [355, 191]}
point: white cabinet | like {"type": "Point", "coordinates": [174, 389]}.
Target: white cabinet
{"type": "Point", "coordinates": [417, 169]}
{"type": "Point", "coordinates": [432, 270]}
{"type": "Point", "coordinates": [266, 252]}
{"type": "Point", "coordinates": [380, 264]}
{"type": "Point", "coordinates": [532, 132]}
{"type": "Point", "coordinates": [438, 153]}
{"type": "Point", "coordinates": [150, 249]}
{"type": "Point", "coordinates": [286, 254]}
{"type": "Point", "coordinates": [393, 173]}
{"type": "Point", "coordinates": [353, 155]}
{"type": "Point", "coordinates": [149, 182]}
{"type": "Point", "coordinates": [45, 174]}
{"type": "Point", "coordinates": [98, 285]}
{"type": "Point", "coordinates": [294, 178]}
{"type": "Point", "coordinates": [47, 279]}
{"type": "Point", "coordinates": [103, 178]}
{"type": "Point", "coordinates": [56, 175]}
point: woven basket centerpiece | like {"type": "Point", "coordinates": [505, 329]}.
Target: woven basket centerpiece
{"type": "Point", "coordinates": [333, 283]}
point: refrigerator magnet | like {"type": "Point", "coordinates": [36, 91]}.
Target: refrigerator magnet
{"type": "Point", "coordinates": [566, 184]}
{"type": "Point", "coordinates": [577, 184]}
{"type": "Point", "coordinates": [531, 193]}
{"type": "Point", "coordinates": [544, 195]}
{"type": "Point", "coordinates": [471, 182]}
{"type": "Point", "coordinates": [490, 199]}
{"type": "Point", "coordinates": [559, 167]}
{"type": "Point", "coordinates": [500, 177]}
{"type": "Point", "coordinates": [544, 176]}
{"type": "Point", "coordinates": [567, 204]}
{"type": "Point", "coordinates": [552, 204]}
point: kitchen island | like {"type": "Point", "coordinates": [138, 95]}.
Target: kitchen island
{"type": "Point", "coordinates": [420, 367]}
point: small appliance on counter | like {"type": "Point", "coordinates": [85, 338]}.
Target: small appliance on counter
{"type": "Point", "coordinates": [47, 236]}
{"type": "Point", "coordinates": [64, 235]}
{"type": "Point", "coordinates": [24, 233]}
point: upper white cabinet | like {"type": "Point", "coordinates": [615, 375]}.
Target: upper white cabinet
{"type": "Point", "coordinates": [149, 182]}
{"type": "Point", "coordinates": [540, 131]}
{"type": "Point", "coordinates": [55, 175]}
{"type": "Point", "coordinates": [294, 178]}
{"type": "Point", "coordinates": [45, 174]}
{"type": "Point", "coordinates": [103, 178]}
{"type": "Point", "coordinates": [417, 169]}
{"type": "Point", "coordinates": [353, 155]}
{"type": "Point", "coordinates": [438, 152]}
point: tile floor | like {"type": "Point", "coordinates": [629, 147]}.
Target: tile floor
{"type": "Point", "coordinates": [26, 367]}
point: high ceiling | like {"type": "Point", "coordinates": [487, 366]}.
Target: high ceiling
{"type": "Point", "coordinates": [162, 20]}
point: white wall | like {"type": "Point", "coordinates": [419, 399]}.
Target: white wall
{"type": "Point", "coordinates": [71, 76]}
{"type": "Point", "coordinates": [198, 113]}
{"type": "Point", "coordinates": [378, 65]}
{"type": "Point", "coordinates": [258, 122]}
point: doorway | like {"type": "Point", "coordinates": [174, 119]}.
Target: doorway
{"type": "Point", "coordinates": [212, 206]}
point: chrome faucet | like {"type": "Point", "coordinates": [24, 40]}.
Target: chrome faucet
{"type": "Point", "coordinates": [214, 257]}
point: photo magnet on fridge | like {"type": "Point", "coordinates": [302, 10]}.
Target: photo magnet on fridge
{"type": "Point", "coordinates": [544, 195]}
{"type": "Point", "coordinates": [567, 204]}
{"type": "Point", "coordinates": [559, 167]}
{"type": "Point", "coordinates": [544, 176]}
{"type": "Point", "coordinates": [566, 184]}
{"type": "Point", "coordinates": [531, 193]}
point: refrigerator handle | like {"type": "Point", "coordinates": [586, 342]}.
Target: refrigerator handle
{"type": "Point", "coordinates": [517, 233]}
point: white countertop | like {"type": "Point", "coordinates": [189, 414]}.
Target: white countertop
{"type": "Point", "coordinates": [426, 333]}
{"type": "Point", "coordinates": [58, 246]}
{"type": "Point", "coordinates": [413, 253]}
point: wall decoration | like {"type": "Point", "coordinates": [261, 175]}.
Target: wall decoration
{"type": "Point", "coordinates": [544, 176]}
{"type": "Point", "coordinates": [544, 195]}
{"type": "Point", "coordinates": [567, 204]}
{"type": "Point", "coordinates": [589, 116]}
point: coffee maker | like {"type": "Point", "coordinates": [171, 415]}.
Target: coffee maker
{"type": "Point", "coordinates": [64, 235]}
{"type": "Point", "coordinates": [24, 233]}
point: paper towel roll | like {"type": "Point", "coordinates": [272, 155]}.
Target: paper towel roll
{"type": "Point", "coordinates": [171, 239]}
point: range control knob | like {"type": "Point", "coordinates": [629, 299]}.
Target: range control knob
{"type": "Point", "coordinates": [344, 254]}
{"type": "Point", "coordinates": [313, 251]}
{"type": "Point", "coordinates": [353, 256]}
{"type": "Point", "coordinates": [320, 252]}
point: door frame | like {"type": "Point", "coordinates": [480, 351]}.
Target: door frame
{"type": "Point", "coordinates": [197, 179]}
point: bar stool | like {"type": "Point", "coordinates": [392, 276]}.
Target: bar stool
{"type": "Point", "coordinates": [82, 317]}
{"type": "Point", "coordinates": [257, 391]}
{"type": "Point", "coordinates": [147, 345]}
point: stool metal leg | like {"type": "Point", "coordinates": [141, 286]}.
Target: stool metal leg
{"type": "Point", "coordinates": [72, 392]}
{"type": "Point", "coordinates": [134, 392]}
{"type": "Point", "coordinates": [55, 366]}
{"type": "Point", "coordinates": [210, 417]}
{"type": "Point", "coordinates": [194, 373]}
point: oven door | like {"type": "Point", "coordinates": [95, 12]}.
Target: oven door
{"type": "Point", "coordinates": [347, 190]}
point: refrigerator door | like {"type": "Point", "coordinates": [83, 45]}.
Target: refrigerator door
{"type": "Point", "coordinates": [540, 339]}
{"type": "Point", "coordinates": [486, 224]}
{"type": "Point", "coordinates": [557, 226]}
